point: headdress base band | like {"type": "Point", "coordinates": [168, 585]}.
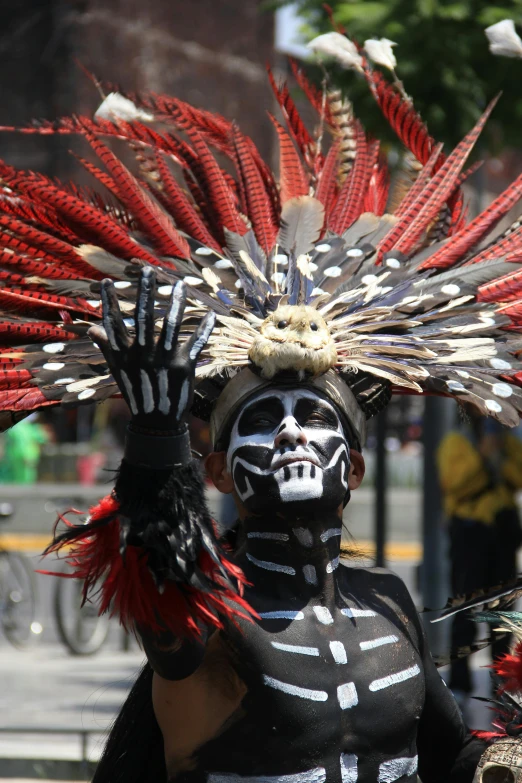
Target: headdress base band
{"type": "Point", "coordinates": [246, 383]}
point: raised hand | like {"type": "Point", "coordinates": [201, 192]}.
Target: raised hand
{"type": "Point", "coordinates": [156, 378]}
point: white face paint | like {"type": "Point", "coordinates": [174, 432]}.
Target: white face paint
{"type": "Point", "coordinates": [288, 446]}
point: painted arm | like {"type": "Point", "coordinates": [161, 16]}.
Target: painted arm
{"type": "Point", "coordinates": [152, 542]}
{"type": "Point", "coordinates": [447, 751]}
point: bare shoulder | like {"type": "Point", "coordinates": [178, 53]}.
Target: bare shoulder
{"type": "Point", "coordinates": [376, 581]}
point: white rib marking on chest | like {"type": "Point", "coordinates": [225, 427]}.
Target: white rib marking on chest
{"type": "Point", "coordinates": [369, 645]}
{"type": "Point", "coordinates": [295, 648]}
{"type": "Point", "coordinates": [333, 531]}
{"type": "Point", "coordinates": [310, 574]}
{"type": "Point", "coordinates": [323, 615]}
{"type": "Point", "coordinates": [295, 690]}
{"type": "Point", "coordinates": [268, 566]}
{"type": "Point", "coordinates": [348, 768]}
{"type": "Point", "coordinates": [282, 615]}
{"type": "Point", "coordinates": [347, 695]}
{"type": "Point", "coordinates": [358, 613]}
{"type": "Point", "coordinates": [304, 536]}
{"type": "Point", "coordinates": [269, 536]}
{"type": "Point", "coordinates": [317, 775]}
{"type": "Point", "coordinates": [393, 679]}
{"type": "Point", "coordinates": [397, 768]}
{"type": "Point", "coordinates": [332, 565]}
{"type": "Point", "coordinates": [338, 652]}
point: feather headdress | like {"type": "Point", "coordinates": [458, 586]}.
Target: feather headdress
{"type": "Point", "coordinates": [321, 268]}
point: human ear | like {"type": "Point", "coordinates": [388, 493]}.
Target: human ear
{"type": "Point", "coordinates": [216, 467]}
{"type": "Point", "coordinates": [357, 469]}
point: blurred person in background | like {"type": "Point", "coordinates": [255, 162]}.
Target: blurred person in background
{"type": "Point", "coordinates": [480, 471]}
{"type": "Point", "coordinates": [22, 446]}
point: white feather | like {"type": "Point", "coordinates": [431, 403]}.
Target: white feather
{"type": "Point", "coordinates": [337, 46]}
{"type": "Point", "coordinates": [117, 107]}
{"type": "Point", "coordinates": [503, 39]}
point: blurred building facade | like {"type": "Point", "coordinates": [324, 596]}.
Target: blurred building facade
{"type": "Point", "coordinates": [209, 52]}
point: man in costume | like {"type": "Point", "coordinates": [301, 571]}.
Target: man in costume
{"type": "Point", "coordinates": [286, 312]}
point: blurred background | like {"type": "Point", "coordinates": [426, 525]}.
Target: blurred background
{"type": "Point", "coordinates": [213, 53]}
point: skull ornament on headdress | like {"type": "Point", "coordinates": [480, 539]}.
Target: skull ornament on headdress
{"type": "Point", "coordinates": [501, 762]}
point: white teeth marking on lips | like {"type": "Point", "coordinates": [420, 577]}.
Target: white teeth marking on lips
{"type": "Point", "coordinates": [269, 536]}
{"type": "Point", "coordinates": [130, 392]}
{"type": "Point", "coordinates": [295, 648]}
{"type": "Point", "coordinates": [348, 768]}
{"type": "Point", "coordinates": [310, 574]}
{"type": "Point", "coordinates": [347, 696]}
{"type": "Point", "coordinates": [54, 347]}
{"type": "Point", "coordinates": [372, 643]}
{"type": "Point", "coordinates": [295, 690]}
{"type": "Point", "coordinates": [285, 614]}
{"type": "Point", "coordinates": [53, 366]}
{"type": "Point", "coordinates": [358, 612]}
{"type": "Point", "coordinates": [268, 566]}
{"type": "Point", "coordinates": [323, 614]}
{"type": "Point", "coordinates": [304, 536]}
{"type": "Point", "coordinates": [163, 385]}
{"type": "Point", "coordinates": [393, 679]}
{"type": "Point", "coordinates": [338, 652]}
{"type": "Point", "coordinates": [332, 565]}
{"type": "Point", "coordinates": [395, 769]}
{"type": "Point", "coordinates": [333, 531]}
{"type": "Point", "coordinates": [147, 393]}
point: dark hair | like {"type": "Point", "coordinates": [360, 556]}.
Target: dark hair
{"type": "Point", "coordinates": [134, 752]}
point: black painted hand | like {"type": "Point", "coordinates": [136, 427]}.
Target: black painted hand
{"type": "Point", "coordinates": [156, 378]}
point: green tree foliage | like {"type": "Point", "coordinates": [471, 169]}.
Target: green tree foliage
{"type": "Point", "coordinates": [443, 61]}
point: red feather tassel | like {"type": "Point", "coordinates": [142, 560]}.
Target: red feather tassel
{"type": "Point", "coordinates": [509, 668]}
{"type": "Point", "coordinates": [128, 590]}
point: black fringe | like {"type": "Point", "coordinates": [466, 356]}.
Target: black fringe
{"type": "Point", "coordinates": [165, 513]}
{"type": "Point", "coordinates": [134, 750]}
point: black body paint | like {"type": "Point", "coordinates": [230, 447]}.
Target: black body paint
{"type": "Point", "coordinates": [324, 701]}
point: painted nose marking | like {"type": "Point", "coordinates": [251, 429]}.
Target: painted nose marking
{"type": "Point", "coordinates": [290, 432]}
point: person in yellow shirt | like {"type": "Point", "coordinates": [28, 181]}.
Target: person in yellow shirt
{"type": "Point", "coordinates": [480, 472]}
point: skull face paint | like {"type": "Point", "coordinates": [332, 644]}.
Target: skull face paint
{"type": "Point", "coordinates": [288, 447]}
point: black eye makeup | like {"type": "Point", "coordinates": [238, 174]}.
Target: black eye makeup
{"type": "Point", "coordinates": [315, 413]}
{"type": "Point", "coordinates": [261, 417]}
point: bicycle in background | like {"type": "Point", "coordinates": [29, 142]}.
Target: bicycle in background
{"type": "Point", "coordinates": [18, 594]}
{"type": "Point", "coordinates": [81, 629]}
